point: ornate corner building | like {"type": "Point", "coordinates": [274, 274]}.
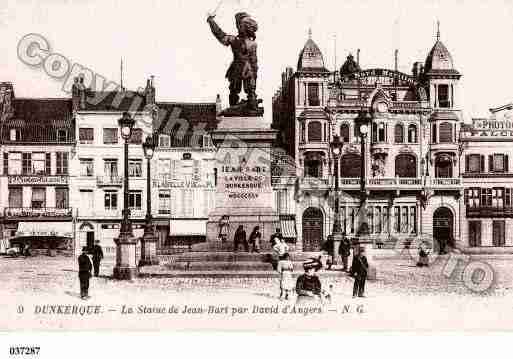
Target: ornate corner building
{"type": "Point", "coordinates": [417, 169]}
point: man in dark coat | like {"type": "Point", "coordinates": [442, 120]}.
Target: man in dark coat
{"type": "Point", "coordinates": [84, 273]}
{"type": "Point", "coordinates": [97, 253]}
{"type": "Point", "coordinates": [240, 238]}
{"type": "Point", "coordinates": [345, 251]}
{"type": "Point", "coordinates": [359, 270]}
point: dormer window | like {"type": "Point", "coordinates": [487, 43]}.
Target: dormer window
{"type": "Point", "coordinates": [62, 135]}
{"type": "Point", "coordinates": [15, 134]}
{"type": "Point", "coordinates": [164, 141]}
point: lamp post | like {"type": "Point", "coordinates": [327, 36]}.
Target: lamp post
{"type": "Point", "coordinates": [363, 229]}
{"type": "Point", "coordinates": [125, 267]}
{"type": "Point", "coordinates": [148, 240]}
{"type": "Point", "coordinates": [337, 234]}
{"type": "Point", "coordinates": [362, 235]}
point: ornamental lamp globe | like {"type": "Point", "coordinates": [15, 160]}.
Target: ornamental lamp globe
{"type": "Point", "coordinates": [364, 129]}
{"type": "Point", "coordinates": [126, 123]}
{"type": "Point", "coordinates": [148, 148]}
{"type": "Point", "coordinates": [336, 146]}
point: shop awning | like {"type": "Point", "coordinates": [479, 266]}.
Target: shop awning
{"type": "Point", "coordinates": [188, 227]}
{"type": "Point", "coordinates": [288, 228]}
{"type": "Point", "coordinates": [45, 229]}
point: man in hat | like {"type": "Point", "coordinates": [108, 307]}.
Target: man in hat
{"type": "Point", "coordinates": [242, 72]}
{"type": "Point", "coordinates": [97, 253]}
{"type": "Point", "coordinates": [345, 251]}
{"type": "Point", "coordinates": [84, 273]}
{"type": "Point", "coordinates": [359, 270]}
{"type": "Point", "coordinates": [308, 285]}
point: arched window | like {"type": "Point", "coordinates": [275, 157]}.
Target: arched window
{"type": "Point", "coordinates": [405, 166]}
{"type": "Point", "coordinates": [399, 133]}
{"type": "Point", "coordinates": [443, 166]}
{"type": "Point", "coordinates": [445, 132]}
{"type": "Point", "coordinates": [314, 132]}
{"type": "Point", "coordinates": [412, 133]}
{"type": "Point", "coordinates": [344, 132]}
{"type": "Point", "coordinates": [350, 165]}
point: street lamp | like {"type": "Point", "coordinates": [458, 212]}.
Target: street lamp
{"type": "Point", "coordinates": [337, 234]}
{"type": "Point", "coordinates": [148, 240]}
{"type": "Point", "coordinates": [125, 267]}
{"type": "Point", "coordinates": [363, 229]}
{"type": "Point", "coordinates": [362, 235]}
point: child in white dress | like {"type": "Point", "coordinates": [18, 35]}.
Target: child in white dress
{"type": "Point", "coordinates": [285, 268]}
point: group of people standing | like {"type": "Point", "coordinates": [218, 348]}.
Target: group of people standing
{"type": "Point", "coordinates": [254, 239]}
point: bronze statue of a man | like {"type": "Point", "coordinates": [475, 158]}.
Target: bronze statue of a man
{"type": "Point", "coordinates": [242, 72]}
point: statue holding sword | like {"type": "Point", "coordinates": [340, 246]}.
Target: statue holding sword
{"type": "Point", "coordinates": [242, 73]}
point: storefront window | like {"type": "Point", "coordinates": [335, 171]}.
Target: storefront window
{"type": "Point", "coordinates": [38, 197]}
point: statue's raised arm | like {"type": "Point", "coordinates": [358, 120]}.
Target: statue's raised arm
{"type": "Point", "coordinates": [218, 32]}
{"type": "Point", "coordinates": [242, 73]}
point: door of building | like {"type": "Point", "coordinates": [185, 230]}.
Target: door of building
{"type": "Point", "coordinates": [443, 228]}
{"type": "Point", "coordinates": [90, 239]}
{"type": "Point", "coordinates": [312, 229]}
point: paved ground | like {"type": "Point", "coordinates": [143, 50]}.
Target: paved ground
{"type": "Point", "coordinates": [403, 297]}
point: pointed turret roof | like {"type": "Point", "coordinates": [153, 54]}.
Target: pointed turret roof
{"type": "Point", "coordinates": [439, 60]}
{"type": "Point", "coordinates": [310, 58]}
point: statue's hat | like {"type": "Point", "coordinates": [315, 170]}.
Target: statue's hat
{"type": "Point", "coordinates": [241, 15]}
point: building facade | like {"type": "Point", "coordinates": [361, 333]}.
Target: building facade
{"type": "Point", "coordinates": [411, 153]}
{"type": "Point", "coordinates": [185, 176]}
{"type": "Point", "coordinates": [37, 147]}
{"type": "Point", "coordinates": [98, 164]}
{"type": "Point", "coordinates": [488, 182]}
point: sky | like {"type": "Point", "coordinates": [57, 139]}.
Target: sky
{"type": "Point", "coordinates": [172, 41]}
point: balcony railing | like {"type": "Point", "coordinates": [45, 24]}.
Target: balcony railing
{"type": "Point", "coordinates": [110, 213]}
{"type": "Point", "coordinates": [442, 183]}
{"type": "Point", "coordinates": [373, 183]}
{"type": "Point", "coordinates": [109, 180]}
{"type": "Point", "coordinates": [37, 179]}
{"type": "Point", "coordinates": [489, 211]}
{"type": "Point", "coordinates": [37, 213]}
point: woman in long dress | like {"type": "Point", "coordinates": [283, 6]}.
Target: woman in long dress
{"type": "Point", "coordinates": [285, 268]}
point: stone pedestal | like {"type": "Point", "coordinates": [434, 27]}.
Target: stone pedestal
{"type": "Point", "coordinates": [148, 249]}
{"type": "Point", "coordinates": [336, 261]}
{"type": "Point", "coordinates": [126, 266]}
{"type": "Point", "coordinates": [244, 194]}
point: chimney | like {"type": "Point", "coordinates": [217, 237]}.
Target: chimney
{"type": "Point", "coordinates": [82, 91]}
{"type": "Point", "coordinates": [219, 105]}
{"type": "Point", "coordinates": [149, 92]}
{"type": "Point", "coordinates": [415, 70]}
{"type": "Point", "coordinates": [75, 95]}
{"type": "Point", "coordinates": [6, 98]}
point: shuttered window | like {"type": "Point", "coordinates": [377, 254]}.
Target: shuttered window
{"type": "Point", "coordinates": [314, 132]}
{"type": "Point", "coordinates": [399, 133]}
{"type": "Point", "coordinates": [474, 231]}
{"type": "Point", "coordinates": [445, 132]}
{"type": "Point", "coordinates": [62, 163]}
{"type": "Point", "coordinates": [15, 197]}
{"type": "Point", "coordinates": [110, 135]}
{"type": "Point", "coordinates": [474, 163]}
{"type": "Point", "coordinates": [498, 163]}
{"type": "Point", "coordinates": [86, 135]}
{"type": "Point", "coordinates": [405, 166]}
{"type": "Point", "coordinates": [498, 233]}
{"type": "Point", "coordinates": [350, 165]}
